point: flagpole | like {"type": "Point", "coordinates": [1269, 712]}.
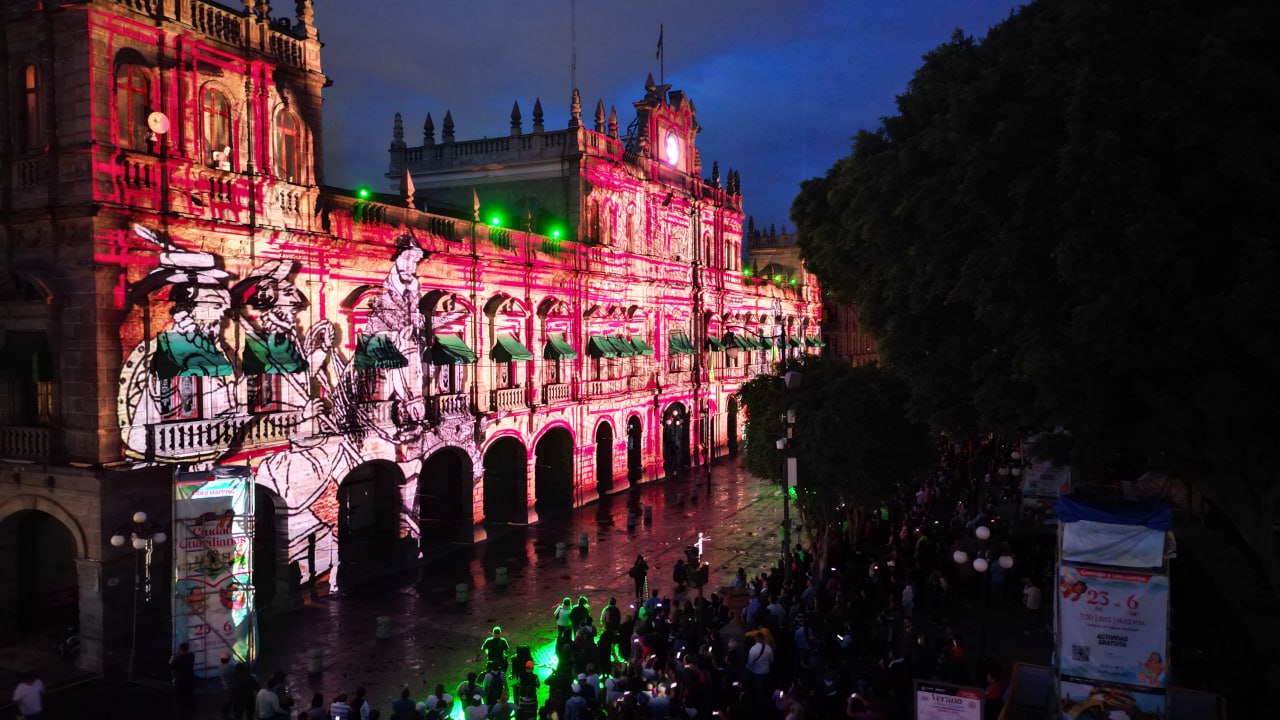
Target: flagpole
{"type": "Point", "coordinates": [573, 45]}
{"type": "Point", "coordinates": [662, 56]}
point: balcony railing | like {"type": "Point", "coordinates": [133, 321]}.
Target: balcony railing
{"type": "Point", "coordinates": [638, 382]}
{"type": "Point", "coordinates": [679, 377]}
{"type": "Point", "coordinates": [25, 443]}
{"type": "Point", "coordinates": [199, 437]}
{"type": "Point", "coordinates": [731, 373]}
{"type": "Point", "coordinates": [760, 369]}
{"type": "Point", "coordinates": [557, 393]}
{"type": "Point", "coordinates": [606, 387]}
{"type": "Point", "coordinates": [447, 406]}
{"type": "Point", "coordinates": [508, 399]}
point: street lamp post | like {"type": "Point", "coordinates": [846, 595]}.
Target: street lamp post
{"type": "Point", "coordinates": [981, 563]}
{"type": "Point", "coordinates": [143, 535]}
{"type": "Point", "coordinates": [792, 380]}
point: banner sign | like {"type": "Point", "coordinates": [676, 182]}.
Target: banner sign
{"type": "Point", "coordinates": [1088, 699]}
{"type": "Point", "coordinates": [1113, 625]}
{"type": "Point", "coordinates": [1103, 543]}
{"type": "Point", "coordinates": [213, 562]}
{"type": "Point", "coordinates": [1045, 480]}
{"type": "Point", "coordinates": [939, 701]}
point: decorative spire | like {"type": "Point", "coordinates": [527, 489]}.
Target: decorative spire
{"type": "Point", "coordinates": [537, 115]}
{"type": "Point", "coordinates": [650, 86]}
{"type": "Point", "coordinates": [397, 133]}
{"type": "Point", "coordinates": [448, 126]}
{"type": "Point", "coordinates": [515, 119]}
{"type": "Point", "coordinates": [599, 116]}
{"type": "Point", "coordinates": [407, 190]}
{"type": "Point", "coordinates": [575, 110]}
{"type": "Point", "coordinates": [429, 131]}
{"type": "Point", "coordinates": [715, 174]}
{"type": "Point", "coordinates": [613, 123]}
{"type": "Point", "coordinates": [751, 226]}
{"type": "Point", "coordinates": [304, 11]}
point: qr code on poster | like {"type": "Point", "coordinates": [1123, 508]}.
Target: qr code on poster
{"type": "Point", "coordinates": [1080, 653]}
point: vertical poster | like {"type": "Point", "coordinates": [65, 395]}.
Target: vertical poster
{"type": "Point", "coordinates": [1113, 625]}
{"type": "Point", "coordinates": [941, 701]}
{"type": "Point", "coordinates": [213, 561]}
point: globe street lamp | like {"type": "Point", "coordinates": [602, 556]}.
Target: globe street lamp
{"type": "Point", "coordinates": [981, 563]}
{"type": "Point", "coordinates": [142, 534]}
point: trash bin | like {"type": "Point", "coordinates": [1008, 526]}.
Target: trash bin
{"type": "Point", "coordinates": [500, 576]}
{"type": "Point", "coordinates": [584, 540]}
{"type": "Point", "coordinates": [560, 550]}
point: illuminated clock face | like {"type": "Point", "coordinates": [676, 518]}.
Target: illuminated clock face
{"type": "Point", "coordinates": [672, 148]}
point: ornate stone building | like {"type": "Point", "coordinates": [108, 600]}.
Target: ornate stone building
{"type": "Point", "coordinates": [178, 293]}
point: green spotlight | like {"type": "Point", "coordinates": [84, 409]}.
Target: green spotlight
{"type": "Point", "coordinates": [793, 281]}
{"type": "Point", "coordinates": [363, 192]}
{"type": "Point", "coordinates": [555, 234]}
{"type": "Point", "coordinates": [496, 221]}
{"type": "Point", "coordinates": [777, 278]}
{"type": "Point", "coordinates": [746, 272]}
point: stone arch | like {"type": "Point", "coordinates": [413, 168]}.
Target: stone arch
{"type": "Point", "coordinates": [49, 507]}
{"type": "Point", "coordinates": [271, 571]}
{"type": "Point", "coordinates": [444, 501]}
{"type": "Point", "coordinates": [506, 486]}
{"type": "Point", "coordinates": [635, 447]}
{"type": "Point", "coordinates": [604, 440]}
{"type": "Point", "coordinates": [369, 509]}
{"type": "Point", "coordinates": [554, 469]}
{"type": "Point", "coordinates": [675, 438]}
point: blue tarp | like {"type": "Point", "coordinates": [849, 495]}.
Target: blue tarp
{"type": "Point", "coordinates": [1155, 517]}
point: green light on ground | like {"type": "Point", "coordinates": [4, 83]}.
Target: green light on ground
{"type": "Point", "coordinates": [792, 493]}
{"type": "Point", "coordinates": [544, 663]}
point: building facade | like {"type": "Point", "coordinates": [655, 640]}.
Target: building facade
{"type": "Point", "coordinates": [179, 293]}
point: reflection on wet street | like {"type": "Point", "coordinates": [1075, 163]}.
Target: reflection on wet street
{"type": "Point", "coordinates": [436, 639]}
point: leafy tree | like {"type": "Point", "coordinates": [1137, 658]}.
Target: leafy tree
{"type": "Point", "coordinates": [1072, 224]}
{"type": "Point", "coordinates": [854, 443]}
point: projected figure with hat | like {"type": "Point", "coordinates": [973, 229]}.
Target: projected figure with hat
{"type": "Point", "coordinates": [184, 373]}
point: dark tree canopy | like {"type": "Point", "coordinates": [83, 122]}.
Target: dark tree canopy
{"type": "Point", "coordinates": [854, 442]}
{"type": "Point", "coordinates": [1072, 224]}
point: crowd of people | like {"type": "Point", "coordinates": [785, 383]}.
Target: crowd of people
{"type": "Point", "coordinates": [841, 631]}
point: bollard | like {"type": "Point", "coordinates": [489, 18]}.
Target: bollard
{"type": "Point", "coordinates": [384, 627]}
{"type": "Point", "coordinates": [648, 514]}
{"type": "Point", "coordinates": [679, 498]}
{"type": "Point", "coordinates": [560, 550]}
{"type": "Point", "coordinates": [317, 662]}
{"type": "Point", "coordinates": [583, 540]}
{"type": "Point", "coordinates": [500, 577]}
{"type": "Point", "coordinates": [461, 592]}
{"type": "Point", "coordinates": [631, 521]}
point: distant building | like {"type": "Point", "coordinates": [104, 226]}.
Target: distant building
{"type": "Point", "coordinates": [773, 260]}
{"type": "Point", "coordinates": [523, 324]}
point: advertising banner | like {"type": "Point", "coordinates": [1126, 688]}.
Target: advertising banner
{"type": "Point", "coordinates": [1101, 543]}
{"type": "Point", "coordinates": [1046, 480]}
{"type": "Point", "coordinates": [1113, 625]}
{"type": "Point", "coordinates": [1087, 699]}
{"type": "Point", "coordinates": [213, 561]}
{"type": "Point", "coordinates": [939, 701]}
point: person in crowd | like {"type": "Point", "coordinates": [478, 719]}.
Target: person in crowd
{"type": "Point", "coordinates": [28, 696]}
{"type": "Point", "coordinates": [496, 649]}
{"type": "Point", "coordinates": [182, 668]}
{"type": "Point", "coordinates": [639, 574]}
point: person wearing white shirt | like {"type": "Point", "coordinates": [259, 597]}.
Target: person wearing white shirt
{"type": "Point", "coordinates": [29, 696]}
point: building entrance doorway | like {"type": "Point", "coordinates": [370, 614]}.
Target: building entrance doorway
{"type": "Point", "coordinates": [270, 548]}
{"type": "Point", "coordinates": [635, 449]}
{"type": "Point", "coordinates": [604, 458]}
{"type": "Point", "coordinates": [368, 520]}
{"type": "Point", "coordinates": [675, 439]}
{"type": "Point", "coordinates": [39, 587]}
{"type": "Point", "coordinates": [731, 422]}
{"type": "Point", "coordinates": [444, 498]}
{"type": "Point", "coordinates": [553, 477]}
{"type": "Point", "coordinates": [506, 484]}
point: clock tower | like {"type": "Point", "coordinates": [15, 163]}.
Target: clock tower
{"type": "Point", "coordinates": [667, 125]}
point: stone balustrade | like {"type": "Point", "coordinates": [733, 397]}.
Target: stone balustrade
{"type": "Point", "coordinates": [557, 393]}
{"type": "Point", "coordinates": [606, 387]}
{"type": "Point", "coordinates": [25, 443]}
{"type": "Point", "coordinates": [447, 406]}
{"type": "Point", "coordinates": [508, 399]}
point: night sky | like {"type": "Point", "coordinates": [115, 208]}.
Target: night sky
{"type": "Point", "coordinates": [780, 85]}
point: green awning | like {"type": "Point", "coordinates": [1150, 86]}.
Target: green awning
{"type": "Point", "coordinates": [793, 342]}
{"type": "Point", "coordinates": [812, 341]}
{"type": "Point", "coordinates": [377, 352]}
{"type": "Point", "coordinates": [272, 354]}
{"type": "Point", "coordinates": [714, 344]}
{"type": "Point", "coordinates": [738, 341]}
{"type": "Point", "coordinates": [765, 343]}
{"type": "Point", "coordinates": [600, 346]}
{"type": "Point", "coordinates": [451, 350]}
{"type": "Point", "coordinates": [508, 349]}
{"type": "Point", "coordinates": [642, 347]}
{"type": "Point", "coordinates": [193, 355]}
{"type": "Point", "coordinates": [621, 346]}
{"type": "Point", "coordinates": [679, 344]}
{"type": "Point", "coordinates": [557, 348]}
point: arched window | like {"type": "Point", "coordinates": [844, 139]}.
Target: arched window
{"type": "Point", "coordinates": [288, 147]}
{"type": "Point", "coordinates": [30, 108]}
{"type": "Point", "coordinates": [133, 105]}
{"type": "Point", "coordinates": [215, 112]}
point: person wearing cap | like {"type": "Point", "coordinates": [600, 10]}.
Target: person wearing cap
{"type": "Point", "coordinates": [575, 708]}
{"type": "Point", "coordinates": [440, 701]}
{"type": "Point", "coordinates": [476, 709]}
{"type": "Point", "coordinates": [496, 648]}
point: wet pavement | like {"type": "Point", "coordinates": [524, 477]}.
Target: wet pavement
{"type": "Point", "coordinates": [437, 639]}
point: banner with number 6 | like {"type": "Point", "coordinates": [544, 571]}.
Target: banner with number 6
{"type": "Point", "coordinates": [1114, 625]}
